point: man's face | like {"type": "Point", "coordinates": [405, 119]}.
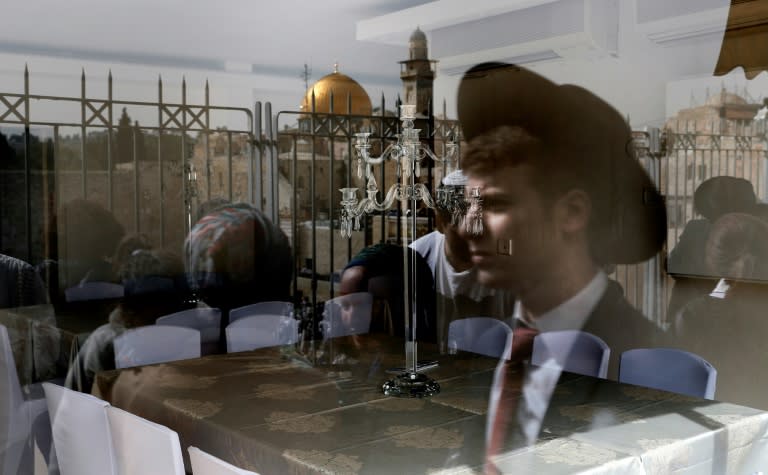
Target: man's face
{"type": "Point", "coordinates": [515, 215]}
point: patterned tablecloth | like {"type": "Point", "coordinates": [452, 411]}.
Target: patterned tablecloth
{"type": "Point", "coordinates": [271, 411]}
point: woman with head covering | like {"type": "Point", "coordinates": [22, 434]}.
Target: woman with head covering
{"type": "Point", "coordinates": [236, 256]}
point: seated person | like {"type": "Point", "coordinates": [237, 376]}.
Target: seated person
{"type": "Point", "coordinates": [727, 328]}
{"type": "Point", "coordinates": [90, 238]}
{"type": "Point", "coordinates": [458, 293]}
{"type": "Point", "coordinates": [154, 286]}
{"type": "Point", "coordinates": [22, 286]}
{"type": "Point", "coordinates": [713, 198]}
{"type": "Point", "coordinates": [236, 256]}
{"type": "Point", "coordinates": [379, 269]}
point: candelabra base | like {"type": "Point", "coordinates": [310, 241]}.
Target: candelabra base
{"type": "Point", "coordinates": [411, 385]}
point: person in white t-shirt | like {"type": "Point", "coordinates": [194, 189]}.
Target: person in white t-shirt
{"type": "Point", "coordinates": [458, 293]}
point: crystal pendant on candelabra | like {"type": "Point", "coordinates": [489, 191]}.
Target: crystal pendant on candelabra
{"type": "Point", "coordinates": [348, 204]}
{"type": "Point", "coordinates": [474, 219]}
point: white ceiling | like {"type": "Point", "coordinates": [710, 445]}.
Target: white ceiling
{"type": "Point", "coordinates": [268, 37]}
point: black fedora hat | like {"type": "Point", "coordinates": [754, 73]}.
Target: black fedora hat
{"type": "Point", "coordinates": [585, 137]}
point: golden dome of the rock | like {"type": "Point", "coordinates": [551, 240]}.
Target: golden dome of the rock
{"type": "Point", "coordinates": [344, 88]}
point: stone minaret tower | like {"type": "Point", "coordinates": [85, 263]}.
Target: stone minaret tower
{"type": "Point", "coordinates": [417, 74]}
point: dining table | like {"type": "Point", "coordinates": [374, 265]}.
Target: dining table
{"type": "Point", "coordinates": [319, 408]}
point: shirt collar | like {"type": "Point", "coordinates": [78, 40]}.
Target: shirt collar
{"type": "Point", "coordinates": [574, 312]}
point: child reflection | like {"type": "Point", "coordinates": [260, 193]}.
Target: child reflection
{"type": "Point", "coordinates": [727, 327]}
{"type": "Point", "coordinates": [154, 286]}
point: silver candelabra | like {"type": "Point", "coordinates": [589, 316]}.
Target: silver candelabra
{"type": "Point", "coordinates": [407, 153]}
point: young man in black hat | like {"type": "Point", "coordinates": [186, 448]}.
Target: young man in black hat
{"type": "Point", "coordinates": [562, 196]}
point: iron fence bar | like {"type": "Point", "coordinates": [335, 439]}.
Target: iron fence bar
{"type": "Point", "coordinates": [83, 131]}
{"type": "Point", "coordinates": [207, 145]}
{"type": "Point", "coordinates": [57, 187]}
{"type": "Point", "coordinates": [269, 194]}
{"type": "Point", "coordinates": [383, 175]}
{"type": "Point", "coordinates": [430, 139]}
{"type": "Point", "coordinates": [331, 135]}
{"type": "Point", "coordinates": [312, 194]}
{"type": "Point", "coordinates": [257, 156]}
{"type": "Point", "coordinates": [110, 190]}
{"type": "Point", "coordinates": [229, 165]}
{"type": "Point", "coordinates": [27, 173]}
{"type": "Point", "coordinates": [27, 193]}
{"type": "Point", "coordinates": [294, 217]}
{"type": "Point", "coordinates": [399, 226]}
{"type": "Point", "coordinates": [160, 157]}
{"type": "Point", "coordinates": [349, 176]}
{"type": "Point", "coordinates": [186, 166]}
{"type": "Point", "coordinates": [274, 155]}
{"type": "Point", "coordinates": [136, 201]}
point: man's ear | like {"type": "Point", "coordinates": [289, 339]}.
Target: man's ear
{"type": "Point", "coordinates": [572, 211]}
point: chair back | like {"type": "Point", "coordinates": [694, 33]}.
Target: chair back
{"type": "Point", "coordinates": [668, 369]}
{"type": "Point", "coordinates": [204, 463]}
{"type": "Point", "coordinates": [273, 307]}
{"type": "Point", "coordinates": [143, 447]}
{"type": "Point", "coordinates": [347, 315]}
{"type": "Point", "coordinates": [80, 432]}
{"type": "Point", "coordinates": [156, 344]}
{"type": "Point", "coordinates": [261, 331]}
{"type": "Point", "coordinates": [94, 291]}
{"type": "Point", "coordinates": [206, 320]}
{"type": "Point", "coordinates": [13, 426]}
{"type": "Point", "coordinates": [483, 335]}
{"type": "Point", "coordinates": [574, 351]}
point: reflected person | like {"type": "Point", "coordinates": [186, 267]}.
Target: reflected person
{"type": "Point", "coordinates": [458, 293]}
{"type": "Point", "coordinates": [712, 199]}
{"type": "Point", "coordinates": [236, 256]}
{"type": "Point", "coordinates": [562, 196]}
{"type": "Point", "coordinates": [154, 287]}
{"type": "Point", "coordinates": [727, 327]}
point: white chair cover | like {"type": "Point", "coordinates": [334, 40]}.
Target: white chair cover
{"type": "Point", "coordinates": [273, 307]}
{"type": "Point", "coordinates": [143, 447]}
{"type": "Point", "coordinates": [668, 369]}
{"type": "Point", "coordinates": [574, 351]}
{"type": "Point", "coordinates": [204, 463]}
{"type": "Point", "coordinates": [94, 291]}
{"type": "Point", "coordinates": [261, 331]}
{"type": "Point", "coordinates": [483, 335]}
{"type": "Point", "coordinates": [80, 432]}
{"type": "Point", "coordinates": [156, 344]}
{"type": "Point", "coordinates": [206, 320]}
{"type": "Point", "coordinates": [22, 421]}
{"type": "Point", "coordinates": [347, 315]}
